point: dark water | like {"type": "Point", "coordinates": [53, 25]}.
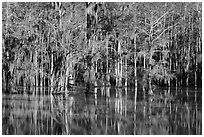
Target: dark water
{"type": "Point", "coordinates": [110, 111]}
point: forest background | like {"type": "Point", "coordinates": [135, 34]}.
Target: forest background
{"type": "Point", "coordinates": [58, 44]}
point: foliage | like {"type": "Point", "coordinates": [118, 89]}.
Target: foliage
{"type": "Point", "coordinates": [44, 43]}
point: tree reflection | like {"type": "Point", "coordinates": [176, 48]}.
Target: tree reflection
{"type": "Point", "coordinates": [110, 111]}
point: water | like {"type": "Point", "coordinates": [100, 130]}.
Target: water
{"type": "Point", "coordinates": [111, 111]}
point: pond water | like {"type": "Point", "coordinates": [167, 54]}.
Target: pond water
{"type": "Point", "coordinates": [112, 111]}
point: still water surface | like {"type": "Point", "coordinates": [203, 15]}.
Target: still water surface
{"type": "Point", "coordinates": [110, 111]}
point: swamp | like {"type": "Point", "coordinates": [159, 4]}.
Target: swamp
{"type": "Point", "coordinates": [101, 68]}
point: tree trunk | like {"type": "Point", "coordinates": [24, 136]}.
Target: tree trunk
{"type": "Point", "coordinates": [176, 58]}
{"type": "Point", "coordinates": [52, 73]}
{"type": "Point", "coordinates": [96, 69]}
{"type": "Point", "coordinates": [107, 66]}
{"type": "Point", "coordinates": [67, 73]}
{"type": "Point", "coordinates": [116, 72]}
{"type": "Point", "coordinates": [126, 69]}
{"type": "Point", "coordinates": [120, 64]}
{"type": "Point", "coordinates": [189, 50]}
{"type": "Point", "coordinates": [135, 61]}
{"type": "Point", "coordinates": [36, 66]}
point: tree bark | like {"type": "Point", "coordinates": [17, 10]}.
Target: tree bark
{"type": "Point", "coordinates": [135, 60]}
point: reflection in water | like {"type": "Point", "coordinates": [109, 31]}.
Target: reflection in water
{"type": "Point", "coordinates": [109, 111]}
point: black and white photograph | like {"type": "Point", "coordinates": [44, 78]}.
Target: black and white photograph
{"type": "Point", "coordinates": [101, 68]}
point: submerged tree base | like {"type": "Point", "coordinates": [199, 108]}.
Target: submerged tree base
{"type": "Point", "coordinates": [151, 93]}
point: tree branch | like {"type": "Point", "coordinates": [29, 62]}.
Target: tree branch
{"type": "Point", "coordinates": [159, 19]}
{"type": "Point", "coordinates": [164, 31]}
{"type": "Point", "coordinates": [142, 30]}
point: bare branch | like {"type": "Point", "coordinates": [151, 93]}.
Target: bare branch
{"type": "Point", "coordinates": [164, 31]}
{"type": "Point", "coordinates": [143, 30]}
{"type": "Point", "coordinates": [159, 18]}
